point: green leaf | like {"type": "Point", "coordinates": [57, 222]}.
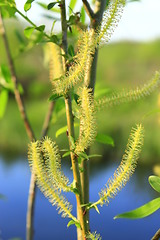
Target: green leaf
{"type": "Point", "coordinates": [155, 183]}
{"type": "Point", "coordinates": [61, 131]}
{"type": "Point", "coordinates": [45, 6]}
{"type": "Point", "coordinates": [105, 139]}
{"type": "Point", "coordinates": [6, 73]}
{"type": "Point", "coordinates": [71, 51]}
{"type": "Point", "coordinates": [72, 5]}
{"type": "Point", "coordinates": [66, 154]}
{"type": "Point", "coordinates": [83, 16]}
{"type": "Point", "coordinates": [40, 28]}
{"type": "Point", "coordinates": [83, 155]}
{"type": "Point", "coordinates": [72, 222]}
{"type": "Point", "coordinates": [142, 211]}
{"type": "Point", "coordinates": [3, 101]}
{"type": "Point", "coordinates": [94, 155]}
{"type": "Point", "coordinates": [51, 5]}
{"type": "Point", "coordinates": [27, 5]}
{"type": "Point", "coordinates": [28, 31]}
{"type": "Point", "coordinates": [64, 129]}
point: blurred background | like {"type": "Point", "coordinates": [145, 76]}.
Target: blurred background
{"type": "Point", "coordinates": [129, 60]}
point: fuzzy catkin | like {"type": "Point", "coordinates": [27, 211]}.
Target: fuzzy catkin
{"type": "Point", "coordinates": [127, 166]}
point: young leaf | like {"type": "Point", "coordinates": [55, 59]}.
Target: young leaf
{"type": "Point", "coordinates": [72, 222]}
{"type": "Point", "coordinates": [72, 5]}
{"type": "Point", "coordinates": [40, 28]}
{"type": "Point", "coordinates": [61, 130]}
{"type": "Point", "coordinates": [155, 183]}
{"type": "Point", "coordinates": [71, 51]}
{"type": "Point", "coordinates": [142, 211]}
{"type": "Point", "coordinates": [27, 5]}
{"type": "Point", "coordinates": [28, 31]}
{"type": "Point", "coordinates": [51, 5]}
{"type": "Point", "coordinates": [105, 139]}
{"type": "Point", "coordinates": [83, 15]}
{"type": "Point", "coordinates": [3, 102]}
{"type": "Point", "coordinates": [45, 6]}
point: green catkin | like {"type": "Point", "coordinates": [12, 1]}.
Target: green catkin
{"type": "Point", "coordinates": [128, 96]}
{"type": "Point", "coordinates": [53, 164]}
{"type": "Point", "coordinates": [87, 120]}
{"type": "Point", "coordinates": [43, 181]}
{"type": "Point", "coordinates": [126, 168]}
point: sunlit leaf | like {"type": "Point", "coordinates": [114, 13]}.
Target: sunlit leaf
{"type": "Point", "coordinates": [72, 222]}
{"type": "Point", "coordinates": [83, 16]}
{"type": "Point", "coordinates": [27, 5]}
{"type": "Point", "coordinates": [155, 183]}
{"type": "Point", "coordinates": [28, 31]}
{"type": "Point", "coordinates": [105, 139]}
{"type": "Point", "coordinates": [63, 130]}
{"type": "Point", "coordinates": [45, 6]}
{"type": "Point", "coordinates": [72, 5]}
{"type": "Point", "coordinates": [3, 101]}
{"type": "Point", "coordinates": [142, 211]}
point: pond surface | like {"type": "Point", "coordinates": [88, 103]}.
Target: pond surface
{"type": "Point", "coordinates": [14, 184]}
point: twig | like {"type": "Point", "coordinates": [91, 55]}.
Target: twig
{"type": "Point", "coordinates": [88, 9]}
{"type": "Point", "coordinates": [157, 235]}
{"type": "Point", "coordinates": [15, 83]}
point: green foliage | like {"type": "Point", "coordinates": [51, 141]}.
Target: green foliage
{"type": "Point", "coordinates": [148, 208]}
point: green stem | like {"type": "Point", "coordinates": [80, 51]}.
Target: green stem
{"type": "Point", "coordinates": [32, 23]}
{"type": "Point", "coordinates": [89, 81]}
{"type": "Point", "coordinates": [70, 123]}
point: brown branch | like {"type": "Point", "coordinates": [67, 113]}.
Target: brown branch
{"type": "Point", "coordinates": [157, 235]}
{"type": "Point", "coordinates": [18, 97]}
{"type": "Point", "coordinates": [88, 9]}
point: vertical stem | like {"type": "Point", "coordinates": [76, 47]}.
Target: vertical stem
{"type": "Point", "coordinates": [89, 81]}
{"type": "Point", "coordinates": [70, 123]}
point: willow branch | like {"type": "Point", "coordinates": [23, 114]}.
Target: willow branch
{"type": "Point", "coordinates": [157, 235]}
{"type": "Point", "coordinates": [70, 123]}
{"type": "Point", "coordinates": [89, 81]}
{"type": "Point", "coordinates": [88, 9]}
{"type": "Point", "coordinates": [14, 79]}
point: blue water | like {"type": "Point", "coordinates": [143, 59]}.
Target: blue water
{"type": "Point", "coordinates": [14, 184]}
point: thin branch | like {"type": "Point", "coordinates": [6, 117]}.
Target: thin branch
{"type": "Point", "coordinates": [18, 97]}
{"type": "Point", "coordinates": [47, 120]}
{"type": "Point", "coordinates": [157, 235]}
{"type": "Point", "coordinates": [88, 9]}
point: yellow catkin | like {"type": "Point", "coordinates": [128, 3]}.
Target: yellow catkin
{"type": "Point", "coordinates": [131, 95]}
{"type": "Point", "coordinates": [110, 20]}
{"type": "Point", "coordinates": [127, 166]}
{"type": "Point", "coordinates": [87, 120]}
{"type": "Point", "coordinates": [53, 164]}
{"type": "Point", "coordinates": [37, 165]}
{"type": "Point", "coordinates": [55, 62]}
{"type": "Point", "coordinates": [76, 72]}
